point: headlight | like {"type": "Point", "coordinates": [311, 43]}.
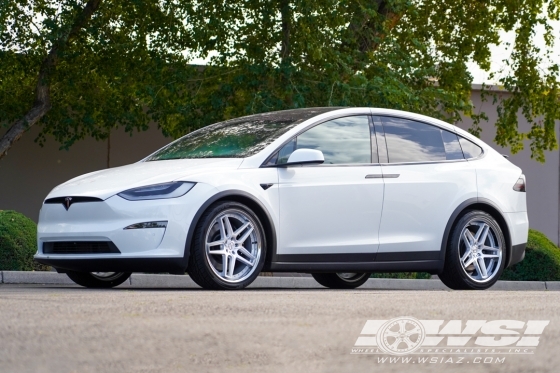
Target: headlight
{"type": "Point", "coordinates": [157, 191]}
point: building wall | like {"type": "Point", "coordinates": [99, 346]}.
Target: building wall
{"type": "Point", "coordinates": [29, 172]}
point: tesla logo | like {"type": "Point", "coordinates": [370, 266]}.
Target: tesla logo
{"type": "Point", "coordinates": [67, 202]}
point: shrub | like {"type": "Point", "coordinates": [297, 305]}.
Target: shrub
{"type": "Point", "coordinates": [541, 263]}
{"type": "Point", "coordinates": [18, 243]}
{"type": "Point", "coordinates": [406, 275]}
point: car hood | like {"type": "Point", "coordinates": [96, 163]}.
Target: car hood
{"type": "Point", "coordinates": [106, 183]}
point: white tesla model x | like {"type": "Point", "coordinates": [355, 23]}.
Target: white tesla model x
{"type": "Point", "coordinates": [338, 193]}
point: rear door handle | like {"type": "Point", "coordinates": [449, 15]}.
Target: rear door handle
{"type": "Point", "coordinates": [391, 176]}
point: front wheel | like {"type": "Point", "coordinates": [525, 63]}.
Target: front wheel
{"type": "Point", "coordinates": [98, 280]}
{"type": "Point", "coordinates": [229, 247]}
{"type": "Point", "coordinates": [475, 255]}
{"type": "Point", "coordinates": [341, 280]}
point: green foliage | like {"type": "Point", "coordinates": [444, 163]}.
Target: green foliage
{"type": "Point", "coordinates": [18, 243]}
{"type": "Point", "coordinates": [130, 64]}
{"type": "Point", "coordinates": [405, 275]}
{"type": "Point", "coordinates": [541, 263]}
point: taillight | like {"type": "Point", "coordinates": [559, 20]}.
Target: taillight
{"type": "Point", "coordinates": [520, 184]}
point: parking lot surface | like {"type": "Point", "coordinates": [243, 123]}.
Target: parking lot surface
{"type": "Point", "coordinates": [59, 328]}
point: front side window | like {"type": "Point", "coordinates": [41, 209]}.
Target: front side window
{"type": "Point", "coordinates": [343, 141]}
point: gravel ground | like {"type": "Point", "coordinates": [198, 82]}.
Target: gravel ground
{"type": "Point", "coordinates": [71, 329]}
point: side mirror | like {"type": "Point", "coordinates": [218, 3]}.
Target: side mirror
{"type": "Point", "coordinates": [305, 156]}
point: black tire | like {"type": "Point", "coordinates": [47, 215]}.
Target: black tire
{"type": "Point", "coordinates": [203, 268]}
{"type": "Point", "coordinates": [91, 280]}
{"type": "Point", "coordinates": [341, 280]}
{"type": "Point", "coordinates": [454, 274]}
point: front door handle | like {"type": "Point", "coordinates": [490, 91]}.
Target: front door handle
{"type": "Point", "coordinates": [391, 176]}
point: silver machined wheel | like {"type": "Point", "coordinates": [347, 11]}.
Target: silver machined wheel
{"type": "Point", "coordinates": [106, 276]}
{"type": "Point", "coordinates": [480, 251]}
{"type": "Point", "coordinates": [233, 246]}
{"type": "Point", "coordinates": [351, 276]}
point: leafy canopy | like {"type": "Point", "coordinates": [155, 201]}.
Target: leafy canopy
{"type": "Point", "coordinates": [129, 64]}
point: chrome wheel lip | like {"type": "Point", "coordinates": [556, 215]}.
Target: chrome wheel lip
{"type": "Point", "coordinates": [240, 244]}
{"type": "Point", "coordinates": [481, 252]}
{"type": "Point", "coordinates": [351, 276]}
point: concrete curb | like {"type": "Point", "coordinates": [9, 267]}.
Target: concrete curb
{"type": "Point", "coordinates": [140, 280]}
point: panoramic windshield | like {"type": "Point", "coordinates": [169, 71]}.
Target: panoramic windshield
{"type": "Point", "coordinates": [236, 138]}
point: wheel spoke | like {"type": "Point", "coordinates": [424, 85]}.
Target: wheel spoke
{"type": "Point", "coordinates": [494, 249]}
{"type": "Point", "coordinates": [245, 252]}
{"type": "Point", "coordinates": [408, 342]}
{"type": "Point", "coordinates": [223, 233]}
{"type": "Point", "coordinates": [466, 255]}
{"type": "Point", "coordinates": [241, 229]}
{"type": "Point", "coordinates": [245, 261]}
{"type": "Point", "coordinates": [482, 232]}
{"type": "Point", "coordinates": [468, 238]}
{"type": "Point", "coordinates": [490, 256]}
{"type": "Point", "coordinates": [402, 326]}
{"type": "Point", "coordinates": [469, 262]}
{"type": "Point", "coordinates": [229, 229]}
{"type": "Point", "coordinates": [391, 333]}
{"type": "Point", "coordinates": [245, 236]}
{"type": "Point", "coordinates": [231, 265]}
{"type": "Point", "coordinates": [416, 330]}
{"type": "Point", "coordinates": [216, 243]}
{"type": "Point", "coordinates": [216, 252]}
{"type": "Point", "coordinates": [481, 266]}
{"type": "Point", "coordinates": [225, 261]}
{"type": "Point", "coordinates": [395, 344]}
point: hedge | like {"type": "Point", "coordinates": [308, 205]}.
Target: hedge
{"type": "Point", "coordinates": [18, 243]}
{"type": "Point", "coordinates": [541, 263]}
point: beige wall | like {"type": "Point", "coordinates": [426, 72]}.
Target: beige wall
{"type": "Point", "coordinates": [29, 172]}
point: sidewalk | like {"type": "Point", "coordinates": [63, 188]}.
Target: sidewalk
{"type": "Point", "coordinates": [139, 280]}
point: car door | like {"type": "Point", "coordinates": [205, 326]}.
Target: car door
{"type": "Point", "coordinates": [331, 212]}
{"type": "Point", "coordinates": [426, 177]}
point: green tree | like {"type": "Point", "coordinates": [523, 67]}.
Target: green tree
{"type": "Point", "coordinates": [127, 62]}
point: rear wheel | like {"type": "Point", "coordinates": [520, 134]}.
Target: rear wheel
{"type": "Point", "coordinates": [341, 280]}
{"type": "Point", "coordinates": [475, 255]}
{"type": "Point", "coordinates": [98, 279]}
{"type": "Point", "coordinates": [229, 247]}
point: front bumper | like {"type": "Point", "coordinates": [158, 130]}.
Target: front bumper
{"type": "Point", "coordinates": [142, 250]}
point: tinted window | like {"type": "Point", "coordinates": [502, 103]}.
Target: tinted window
{"type": "Point", "coordinates": [410, 141]}
{"type": "Point", "coordinates": [470, 149]}
{"type": "Point", "coordinates": [451, 144]}
{"type": "Point", "coordinates": [240, 137]}
{"type": "Point", "coordinates": [342, 141]}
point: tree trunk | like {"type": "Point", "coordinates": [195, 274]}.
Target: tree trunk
{"type": "Point", "coordinates": [286, 15]}
{"type": "Point", "coordinates": [42, 103]}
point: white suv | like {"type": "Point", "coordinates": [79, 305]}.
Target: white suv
{"type": "Point", "coordinates": [338, 193]}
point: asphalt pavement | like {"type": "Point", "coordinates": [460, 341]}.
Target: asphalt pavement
{"type": "Point", "coordinates": [65, 328]}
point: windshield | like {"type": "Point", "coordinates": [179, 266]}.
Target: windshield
{"type": "Point", "coordinates": [236, 138]}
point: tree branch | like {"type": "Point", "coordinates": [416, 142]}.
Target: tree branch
{"type": "Point", "coordinates": [42, 103]}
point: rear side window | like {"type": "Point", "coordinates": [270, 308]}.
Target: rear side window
{"type": "Point", "coordinates": [452, 147]}
{"type": "Point", "coordinates": [410, 141]}
{"type": "Point", "coordinates": [470, 149]}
